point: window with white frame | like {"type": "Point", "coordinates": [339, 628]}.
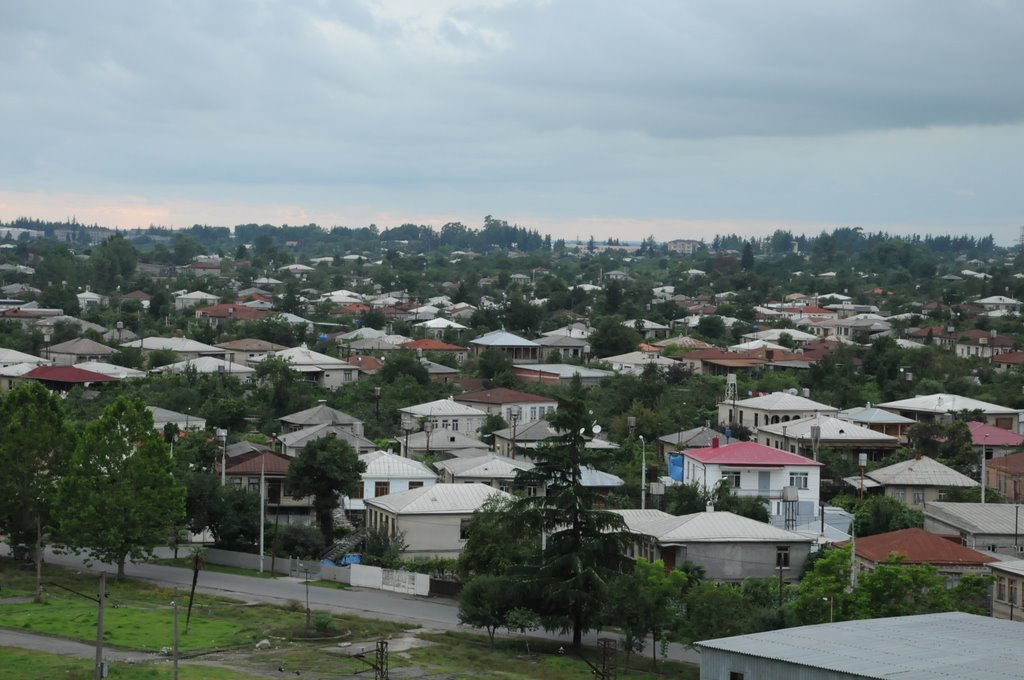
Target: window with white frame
{"type": "Point", "coordinates": [732, 477]}
{"type": "Point", "coordinates": [900, 494]}
{"type": "Point", "coordinates": [799, 480]}
{"type": "Point", "coordinates": [918, 496]}
{"type": "Point", "coordinates": [782, 557]}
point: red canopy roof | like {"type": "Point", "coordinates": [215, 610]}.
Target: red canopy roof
{"type": "Point", "coordinates": [67, 374]}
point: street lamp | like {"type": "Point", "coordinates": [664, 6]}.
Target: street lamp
{"type": "Point", "coordinates": [984, 450]}
{"type": "Point", "coordinates": [376, 397]}
{"type": "Point", "coordinates": [513, 415]}
{"type": "Point", "coordinates": [643, 473]}
{"type": "Point", "coordinates": [222, 437]}
{"type": "Point", "coordinates": [831, 618]}
{"type": "Point", "coordinates": [407, 428]}
{"type": "Point", "coordinates": [428, 427]}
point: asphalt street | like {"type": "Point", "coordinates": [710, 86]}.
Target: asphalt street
{"type": "Point", "coordinates": [427, 612]}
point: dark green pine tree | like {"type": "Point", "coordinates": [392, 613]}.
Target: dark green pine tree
{"type": "Point", "coordinates": [583, 546]}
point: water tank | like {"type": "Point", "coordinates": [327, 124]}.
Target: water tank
{"type": "Point", "coordinates": [790, 494]}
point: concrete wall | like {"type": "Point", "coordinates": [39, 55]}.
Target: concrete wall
{"type": "Point", "coordinates": [432, 535]}
{"type": "Point", "coordinates": [718, 664]}
{"type": "Point", "coordinates": [738, 561]}
{"type": "Point", "coordinates": [375, 578]}
{"type": "Point", "coordinates": [230, 558]}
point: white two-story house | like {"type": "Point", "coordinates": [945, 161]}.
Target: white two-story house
{"type": "Point", "coordinates": [387, 473]}
{"type": "Point", "coordinates": [753, 469]}
{"type": "Point", "coordinates": [444, 414]}
{"type": "Point", "coordinates": [768, 409]}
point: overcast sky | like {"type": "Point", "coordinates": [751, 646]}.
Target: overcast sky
{"type": "Point", "coordinates": [674, 118]}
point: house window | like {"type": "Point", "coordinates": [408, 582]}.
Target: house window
{"type": "Point", "coordinates": [463, 529]}
{"type": "Point", "coordinates": [381, 489]}
{"type": "Point", "coordinates": [798, 479]}
{"type": "Point", "coordinates": [415, 485]}
{"type": "Point", "coordinates": [359, 492]}
{"type": "Point", "coordinates": [735, 675]}
{"type": "Point", "coordinates": [942, 494]}
{"type": "Point", "coordinates": [1013, 591]}
{"type": "Point", "coordinates": [918, 496]}
{"type": "Point", "coordinates": [900, 495]}
{"type": "Point", "coordinates": [533, 413]}
{"type": "Point", "coordinates": [236, 482]}
{"type": "Point", "coordinates": [254, 485]}
{"type": "Point", "coordinates": [1001, 588]}
{"type": "Point", "coordinates": [531, 491]}
{"type": "Point", "coordinates": [782, 557]}
{"type": "Point", "coordinates": [733, 478]}
{"type": "Point", "coordinates": [504, 486]}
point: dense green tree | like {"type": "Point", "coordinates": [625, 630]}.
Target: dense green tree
{"type": "Point", "coordinates": [235, 519]}
{"type": "Point", "coordinates": [611, 337]}
{"type": "Point", "coordinates": [880, 514]}
{"type": "Point", "coordinates": [495, 544]}
{"type": "Point", "coordinates": [119, 498]}
{"type": "Point", "coordinates": [35, 448]}
{"type": "Point", "coordinates": [406, 363]}
{"type": "Point", "coordinates": [486, 601]}
{"type": "Point", "coordinates": [326, 469]}
{"type": "Point", "coordinates": [647, 602]}
{"type": "Point", "coordinates": [583, 546]}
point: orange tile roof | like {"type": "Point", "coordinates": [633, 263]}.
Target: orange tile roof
{"type": "Point", "coordinates": [919, 547]}
{"type": "Point", "coordinates": [432, 345]}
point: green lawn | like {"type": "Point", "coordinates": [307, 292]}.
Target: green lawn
{"type": "Point", "coordinates": [139, 615]}
{"type": "Point", "coordinates": [29, 665]}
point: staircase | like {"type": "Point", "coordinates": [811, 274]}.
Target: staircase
{"type": "Point", "coordinates": [344, 545]}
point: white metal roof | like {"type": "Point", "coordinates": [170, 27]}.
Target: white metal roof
{"type": "Point", "coordinates": [206, 365]}
{"type": "Point", "coordinates": [946, 403]}
{"type": "Point", "coordinates": [781, 401]}
{"type": "Point", "coordinates": [832, 429]}
{"type": "Point", "coordinates": [443, 407]}
{"type": "Point", "coordinates": [923, 472]}
{"type": "Point", "coordinates": [502, 338]}
{"type": "Point", "coordinates": [566, 370]}
{"type": "Point", "coordinates": [873, 414]}
{"type": "Point", "coordinates": [439, 499]}
{"type": "Point", "coordinates": [110, 369]}
{"type": "Point", "coordinates": [180, 345]}
{"type": "Point", "coordinates": [491, 466]}
{"type": "Point", "coordinates": [950, 645]}
{"type": "Point", "coordinates": [384, 465]}
{"type": "Point", "coordinates": [976, 518]}
{"type": "Point", "coordinates": [708, 527]}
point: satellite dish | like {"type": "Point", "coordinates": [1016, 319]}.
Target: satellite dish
{"type": "Point", "coordinates": [597, 429]}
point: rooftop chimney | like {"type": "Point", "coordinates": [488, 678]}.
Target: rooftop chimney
{"type": "Point", "coordinates": [714, 442]}
{"type": "Point", "coordinates": [710, 507]}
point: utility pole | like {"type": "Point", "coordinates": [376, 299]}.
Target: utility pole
{"type": "Point", "coordinates": [101, 668]}
{"type": "Point", "coordinates": [175, 603]}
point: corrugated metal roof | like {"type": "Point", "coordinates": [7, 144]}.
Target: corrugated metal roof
{"type": "Point", "coordinates": [443, 407]}
{"type": "Point", "coordinates": [439, 499]}
{"type": "Point", "coordinates": [949, 645]}
{"type": "Point", "coordinates": [711, 527]}
{"type": "Point", "coordinates": [832, 429]}
{"type": "Point", "coordinates": [491, 466]}
{"type": "Point", "coordinates": [781, 401]}
{"type": "Point", "coordinates": [503, 339]}
{"type": "Point", "coordinates": [873, 414]}
{"type": "Point", "coordinates": [919, 546]}
{"type": "Point", "coordinates": [923, 472]}
{"type": "Point", "coordinates": [381, 464]}
{"type": "Point", "coordinates": [946, 403]}
{"type": "Point", "coordinates": [976, 518]}
{"type": "Point", "coordinates": [565, 370]}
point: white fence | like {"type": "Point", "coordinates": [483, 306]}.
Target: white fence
{"type": "Point", "coordinates": [375, 578]}
{"type": "Point", "coordinates": [358, 575]}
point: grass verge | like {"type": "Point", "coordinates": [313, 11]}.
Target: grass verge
{"type": "Point", "coordinates": [31, 665]}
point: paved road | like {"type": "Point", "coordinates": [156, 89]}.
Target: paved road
{"type": "Point", "coordinates": [435, 613]}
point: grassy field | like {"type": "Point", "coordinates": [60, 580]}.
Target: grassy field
{"type": "Point", "coordinates": [26, 665]}
{"type": "Point", "coordinates": [186, 563]}
{"type": "Point", "coordinates": [138, 617]}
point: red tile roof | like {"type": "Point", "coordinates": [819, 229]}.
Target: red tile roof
{"type": "Point", "coordinates": [432, 345]}
{"type": "Point", "coordinates": [983, 434]}
{"type": "Point", "coordinates": [1012, 464]}
{"type": "Point", "coordinates": [271, 463]}
{"type": "Point", "coordinates": [748, 453]}
{"type": "Point", "coordinates": [501, 395]}
{"type": "Point", "coordinates": [919, 547]}
{"type": "Point", "coordinates": [227, 310]}
{"type": "Point", "coordinates": [67, 374]}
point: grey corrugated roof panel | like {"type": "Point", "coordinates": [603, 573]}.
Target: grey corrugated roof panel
{"type": "Point", "coordinates": [976, 518]}
{"type": "Point", "coordinates": [923, 472]}
{"type": "Point", "coordinates": [950, 645]}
